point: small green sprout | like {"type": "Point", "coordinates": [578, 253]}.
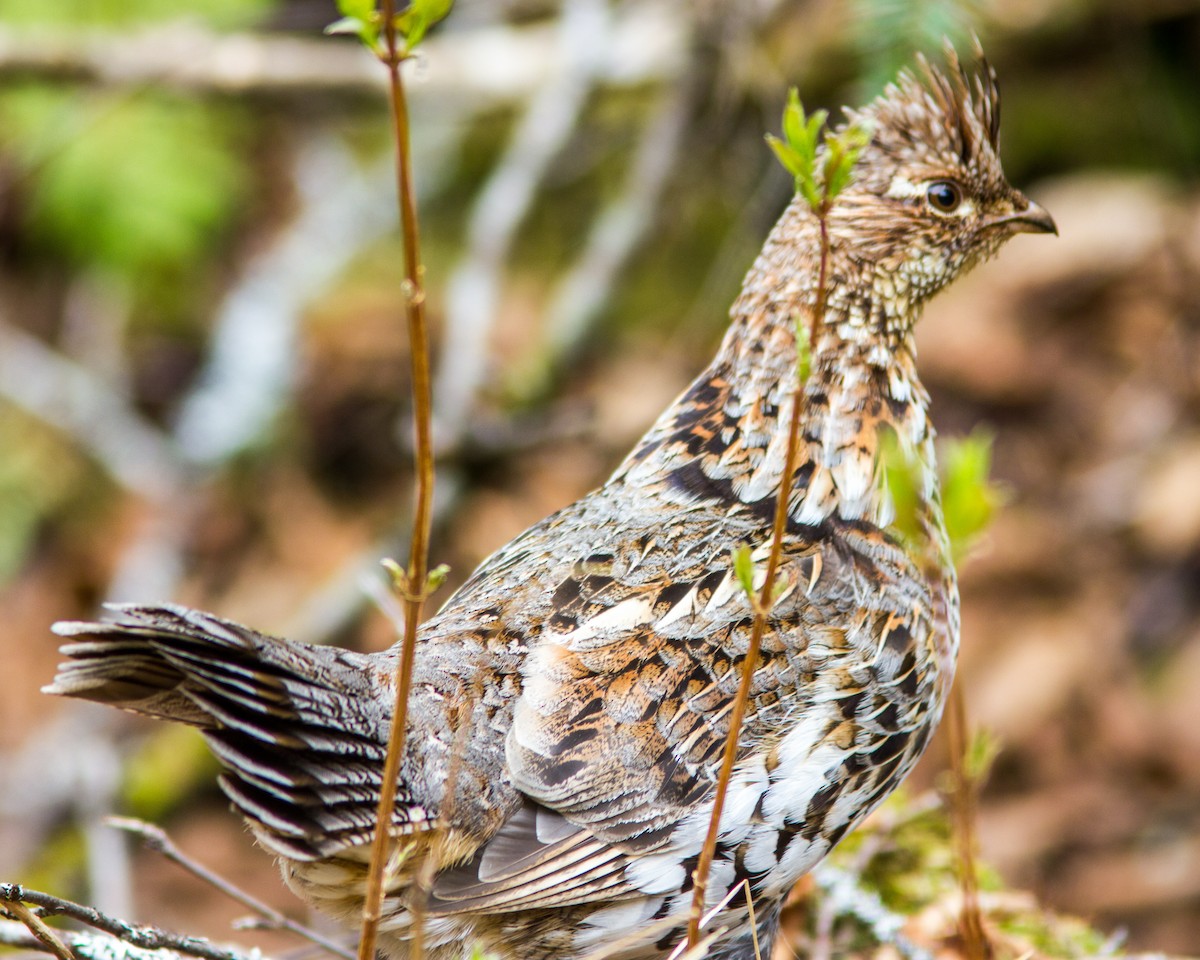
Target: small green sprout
{"type": "Point", "coordinates": [437, 576]}
{"type": "Point", "coordinates": [969, 498]}
{"type": "Point", "coordinates": [746, 570]}
{"type": "Point", "coordinates": [982, 749]}
{"type": "Point", "coordinates": [402, 580]}
{"type": "Point", "coordinates": [363, 19]}
{"type": "Point", "coordinates": [798, 152]}
{"type": "Point", "coordinates": [902, 473]}
{"type": "Point", "coordinates": [420, 15]}
{"type": "Point", "coordinates": [743, 569]}
{"type": "Point", "coordinates": [803, 349]}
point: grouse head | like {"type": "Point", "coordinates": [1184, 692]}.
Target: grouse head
{"type": "Point", "coordinates": [929, 198]}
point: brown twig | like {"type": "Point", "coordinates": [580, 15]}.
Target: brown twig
{"type": "Point", "coordinates": [417, 571]}
{"type": "Point", "coordinates": [156, 839]}
{"type": "Point", "coordinates": [762, 609]}
{"type": "Point", "coordinates": [970, 919]}
{"type": "Point", "coordinates": [37, 926]}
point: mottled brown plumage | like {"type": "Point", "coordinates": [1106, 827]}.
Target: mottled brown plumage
{"type": "Point", "coordinates": [575, 692]}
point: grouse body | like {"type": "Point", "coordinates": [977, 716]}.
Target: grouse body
{"type": "Point", "coordinates": [570, 702]}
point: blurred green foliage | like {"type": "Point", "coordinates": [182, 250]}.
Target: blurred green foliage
{"type": "Point", "coordinates": [969, 499]}
{"type": "Point", "coordinates": [58, 864]}
{"type": "Point", "coordinates": [143, 186]}
{"type": "Point", "coordinates": [983, 747]}
{"type": "Point", "coordinates": [887, 32]}
{"type": "Point", "coordinates": [915, 865]}
{"type": "Point", "coordinates": [902, 473]}
{"type": "Point", "coordinates": [134, 184]}
{"type": "Point", "coordinates": [168, 768]}
{"type": "Point", "coordinates": [74, 14]}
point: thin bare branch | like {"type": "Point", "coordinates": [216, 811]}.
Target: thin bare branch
{"type": "Point", "coordinates": [416, 576]}
{"type": "Point", "coordinates": [142, 938]}
{"type": "Point", "coordinates": [963, 804]}
{"type": "Point", "coordinates": [156, 839]}
{"type": "Point", "coordinates": [86, 945]}
{"type": "Point", "coordinates": [762, 609]}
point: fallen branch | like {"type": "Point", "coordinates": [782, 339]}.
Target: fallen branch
{"type": "Point", "coordinates": [139, 943]}
{"type": "Point", "coordinates": [488, 65]}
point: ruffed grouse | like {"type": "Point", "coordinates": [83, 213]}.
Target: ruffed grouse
{"type": "Point", "coordinates": [576, 690]}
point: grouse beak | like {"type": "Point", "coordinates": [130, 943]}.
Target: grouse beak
{"type": "Point", "coordinates": [1033, 219]}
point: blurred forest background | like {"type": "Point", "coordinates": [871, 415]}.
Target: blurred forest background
{"type": "Point", "coordinates": [203, 386]}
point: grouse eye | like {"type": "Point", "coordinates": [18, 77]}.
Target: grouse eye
{"type": "Point", "coordinates": [944, 196]}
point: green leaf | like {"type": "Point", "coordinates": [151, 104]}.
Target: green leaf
{"type": "Point", "coordinates": [803, 349]}
{"type": "Point", "coordinates": [834, 155]}
{"type": "Point", "coordinates": [793, 119]}
{"type": "Point", "coordinates": [367, 29]}
{"type": "Point", "coordinates": [437, 576]}
{"type": "Point", "coordinates": [415, 22]}
{"type": "Point", "coordinates": [797, 151]}
{"type": "Point", "coordinates": [396, 573]}
{"type": "Point", "coordinates": [743, 569]}
{"type": "Point", "coordinates": [812, 133]}
{"type": "Point", "coordinates": [356, 10]}
{"type": "Point", "coordinates": [811, 191]}
{"type": "Point", "coordinates": [351, 25]}
{"type": "Point", "coordinates": [969, 499]}
{"type": "Point", "coordinates": [842, 153]}
{"type": "Point", "coordinates": [787, 157]}
{"type": "Point", "coordinates": [981, 751]}
{"type": "Point", "coordinates": [902, 473]}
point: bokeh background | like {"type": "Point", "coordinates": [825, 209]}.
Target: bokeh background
{"type": "Point", "coordinates": [203, 387]}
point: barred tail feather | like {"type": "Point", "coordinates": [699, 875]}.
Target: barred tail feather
{"type": "Point", "coordinates": [299, 729]}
